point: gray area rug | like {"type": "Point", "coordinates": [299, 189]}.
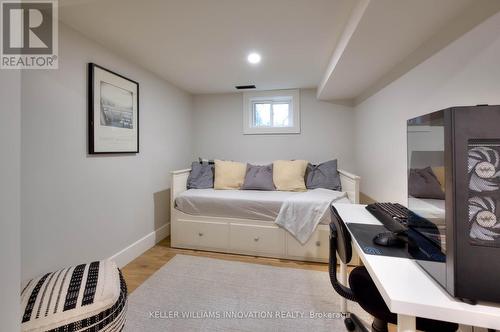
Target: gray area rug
{"type": "Point", "coordinates": [194, 293]}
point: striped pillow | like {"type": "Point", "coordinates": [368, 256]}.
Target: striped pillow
{"type": "Point", "coordinates": [87, 297]}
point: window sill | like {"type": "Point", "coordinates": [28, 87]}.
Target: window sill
{"type": "Point", "coordinates": [271, 131]}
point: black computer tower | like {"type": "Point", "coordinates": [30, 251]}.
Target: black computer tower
{"type": "Point", "coordinates": [454, 199]}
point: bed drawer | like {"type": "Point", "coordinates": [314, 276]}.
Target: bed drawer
{"type": "Point", "coordinates": [257, 239]}
{"type": "Point", "coordinates": [317, 247]}
{"type": "Point", "coordinates": [203, 234]}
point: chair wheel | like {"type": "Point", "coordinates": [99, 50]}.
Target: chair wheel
{"type": "Point", "coordinates": [349, 324]}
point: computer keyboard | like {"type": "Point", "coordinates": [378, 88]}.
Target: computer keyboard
{"type": "Point", "coordinates": [394, 216]}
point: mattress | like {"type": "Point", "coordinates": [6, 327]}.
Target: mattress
{"type": "Point", "coordinates": [241, 204]}
{"type": "Point", "coordinates": [427, 208]}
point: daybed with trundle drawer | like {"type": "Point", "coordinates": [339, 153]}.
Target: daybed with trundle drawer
{"type": "Point", "coordinates": [242, 221]}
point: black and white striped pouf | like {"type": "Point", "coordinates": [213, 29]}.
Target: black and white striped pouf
{"type": "Point", "coordinates": [88, 297]}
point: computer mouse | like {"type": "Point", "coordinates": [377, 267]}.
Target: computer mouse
{"type": "Point", "coordinates": [388, 240]}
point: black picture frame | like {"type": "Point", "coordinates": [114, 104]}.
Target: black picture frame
{"type": "Point", "coordinates": [92, 67]}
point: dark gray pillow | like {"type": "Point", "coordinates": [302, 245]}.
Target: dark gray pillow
{"type": "Point", "coordinates": [206, 161]}
{"type": "Point", "coordinates": [423, 183]}
{"type": "Point", "coordinates": [324, 175]}
{"type": "Point", "coordinates": [259, 178]}
{"type": "Point", "coordinates": [201, 176]}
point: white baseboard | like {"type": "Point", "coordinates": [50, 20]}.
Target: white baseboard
{"type": "Point", "coordinates": [125, 256]}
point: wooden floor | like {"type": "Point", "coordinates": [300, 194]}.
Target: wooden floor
{"type": "Point", "coordinates": [140, 269]}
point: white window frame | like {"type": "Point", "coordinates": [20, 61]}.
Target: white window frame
{"type": "Point", "coordinates": [273, 96]}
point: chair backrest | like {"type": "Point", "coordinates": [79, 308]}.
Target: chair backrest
{"type": "Point", "coordinates": [342, 236]}
{"type": "Point", "coordinates": [340, 242]}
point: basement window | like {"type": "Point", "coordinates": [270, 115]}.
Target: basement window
{"type": "Point", "coordinates": [271, 112]}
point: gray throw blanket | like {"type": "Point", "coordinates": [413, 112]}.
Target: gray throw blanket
{"type": "Point", "coordinates": [300, 214]}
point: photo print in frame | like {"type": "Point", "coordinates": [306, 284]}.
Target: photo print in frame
{"type": "Point", "coordinates": [113, 112]}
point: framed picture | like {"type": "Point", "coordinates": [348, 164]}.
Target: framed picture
{"type": "Point", "coordinates": [113, 112]}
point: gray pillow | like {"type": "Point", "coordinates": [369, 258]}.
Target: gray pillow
{"type": "Point", "coordinates": [259, 178]}
{"type": "Point", "coordinates": [423, 183]}
{"type": "Point", "coordinates": [201, 176]}
{"type": "Point", "coordinates": [324, 175]}
{"type": "Point", "coordinates": [206, 161]}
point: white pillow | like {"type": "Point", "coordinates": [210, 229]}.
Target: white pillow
{"type": "Point", "coordinates": [229, 174]}
{"type": "Point", "coordinates": [288, 175]}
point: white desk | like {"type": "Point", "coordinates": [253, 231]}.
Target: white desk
{"type": "Point", "coordinates": [409, 291]}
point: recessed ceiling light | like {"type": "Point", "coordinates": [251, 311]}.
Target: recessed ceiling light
{"type": "Point", "coordinates": [253, 58]}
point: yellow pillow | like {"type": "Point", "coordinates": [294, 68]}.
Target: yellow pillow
{"type": "Point", "coordinates": [439, 172]}
{"type": "Point", "coordinates": [229, 174]}
{"type": "Point", "coordinates": [288, 175]}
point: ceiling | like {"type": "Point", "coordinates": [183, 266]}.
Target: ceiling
{"type": "Point", "coordinates": [343, 47]}
{"type": "Point", "coordinates": [384, 34]}
{"type": "Point", "coordinates": [201, 45]}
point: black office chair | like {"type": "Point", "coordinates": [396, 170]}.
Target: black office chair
{"type": "Point", "coordinates": [362, 288]}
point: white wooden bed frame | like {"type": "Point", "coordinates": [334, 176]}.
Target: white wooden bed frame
{"type": "Point", "coordinates": [250, 237]}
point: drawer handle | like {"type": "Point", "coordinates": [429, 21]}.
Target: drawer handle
{"type": "Point", "coordinates": [318, 243]}
{"type": "Point", "coordinates": [256, 239]}
{"type": "Point", "coordinates": [200, 234]}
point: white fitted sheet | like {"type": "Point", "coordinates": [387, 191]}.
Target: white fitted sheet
{"type": "Point", "coordinates": [241, 204]}
{"type": "Point", "coordinates": [427, 208]}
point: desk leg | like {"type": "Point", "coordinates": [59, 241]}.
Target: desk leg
{"type": "Point", "coordinates": [343, 281]}
{"type": "Point", "coordinates": [406, 323]}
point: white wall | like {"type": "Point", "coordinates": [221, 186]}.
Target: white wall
{"type": "Point", "coordinates": [77, 207]}
{"type": "Point", "coordinates": [467, 72]}
{"type": "Point", "coordinates": [10, 218]}
{"type": "Point", "coordinates": [326, 132]}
